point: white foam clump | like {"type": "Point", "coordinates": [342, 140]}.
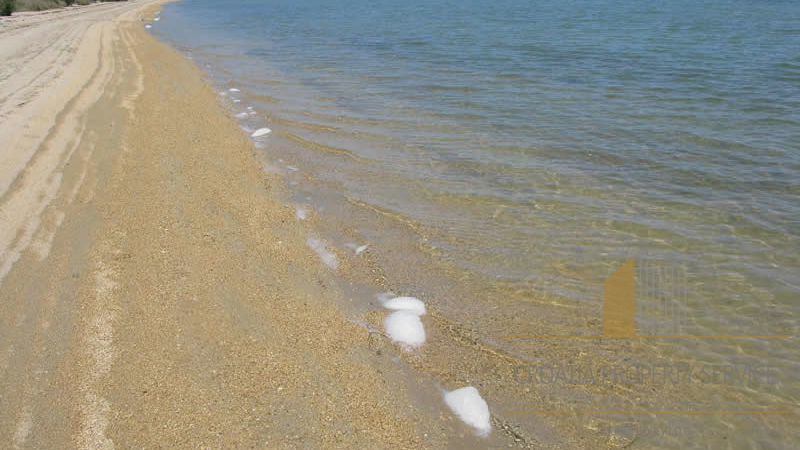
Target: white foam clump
{"type": "Point", "coordinates": [322, 251]}
{"type": "Point", "coordinates": [404, 327]}
{"type": "Point", "coordinates": [292, 168]}
{"type": "Point", "coordinates": [148, 26]}
{"type": "Point", "coordinates": [471, 408]}
{"type": "Point", "coordinates": [241, 115]}
{"type": "Point", "coordinates": [301, 213]}
{"type": "Point", "coordinates": [409, 304]}
{"type": "Point", "coordinates": [261, 132]}
{"type": "Point", "coordinates": [157, 19]}
{"type": "Point", "coordinates": [233, 90]}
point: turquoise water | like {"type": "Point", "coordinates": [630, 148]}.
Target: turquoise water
{"type": "Point", "coordinates": [541, 144]}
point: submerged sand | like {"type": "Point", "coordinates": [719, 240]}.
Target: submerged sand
{"type": "Point", "coordinates": [157, 291]}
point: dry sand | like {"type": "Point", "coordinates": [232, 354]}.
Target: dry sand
{"type": "Point", "coordinates": [156, 291]}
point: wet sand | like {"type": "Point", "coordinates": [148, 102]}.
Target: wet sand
{"type": "Point", "coordinates": [157, 287]}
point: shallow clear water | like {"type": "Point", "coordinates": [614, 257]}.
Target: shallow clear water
{"type": "Point", "coordinates": [542, 144]}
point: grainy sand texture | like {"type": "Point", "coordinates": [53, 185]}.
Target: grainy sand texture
{"type": "Point", "coordinates": [157, 289]}
{"type": "Point", "coordinates": [156, 293]}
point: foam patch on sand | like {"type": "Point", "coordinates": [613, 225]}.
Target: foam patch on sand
{"type": "Point", "coordinates": [233, 90]}
{"type": "Point", "coordinates": [301, 213]}
{"type": "Point", "coordinates": [471, 408]}
{"type": "Point", "coordinates": [405, 328]}
{"type": "Point", "coordinates": [357, 248]}
{"type": "Point", "coordinates": [261, 132]}
{"type": "Point", "coordinates": [322, 251]}
{"type": "Point", "coordinates": [409, 304]}
{"type": "Point", "coordinates": [148, 26]}
{"type": "Point", "coordinates": [404, 325]}
{"type": "Point", "coordinates": [241, 115]}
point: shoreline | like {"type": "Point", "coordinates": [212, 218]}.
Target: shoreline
{"type": "Point", "coordinates": [159, 289]}
{"type": "Point", "coordinates": [162, 310]}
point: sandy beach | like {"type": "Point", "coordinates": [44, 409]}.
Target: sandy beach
{"type": "Point", "coordinates": [156, 293]}
{"type": "Point", "coordinates": [158, 290]}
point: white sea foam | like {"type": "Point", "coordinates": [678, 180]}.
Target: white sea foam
{"type": "Point", "coordinates": [148, 26]}
{"type": "Point", "coordinates": [405, 328]}
{"type": "Point", "coordinates": [357, 248]}
{"type": "Point", "coordinates": [292, 168]}
{"type": "Point", "coordinates": [253, 113]}
{"type": "Point", "coordinates": [322, 251]}
{"type": "Point", "coordinates": [261, 132]}
{"type": "Point", "coordinates": [404, 325]}
{"type": "Point", "coordinates": [250, 108]}
{"type": "Point", "coordinates": [471, 408]}
{"type": "Point", "coordinates": [233, 90]}
{"type": "Point", "coordinates": [301, 212]}
{"type": "Point", "coordinates": [409, 304]}
{"type": "Point", "coordinates": [236, 100]}
{"type": "Point", "coordinates": [241, 115]}
{"type": "Point", "coordinates": [157, 19]}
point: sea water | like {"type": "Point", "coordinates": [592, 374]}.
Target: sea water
{"type": "Point", "coordinates": [536, 146]}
